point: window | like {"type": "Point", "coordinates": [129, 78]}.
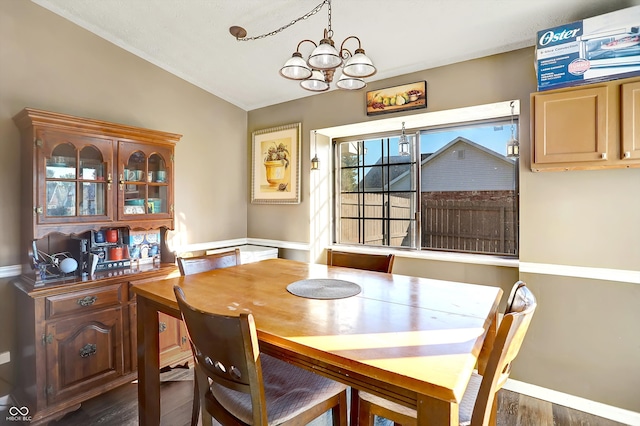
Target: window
{"type": "Point", "coordinates": [455, 190]}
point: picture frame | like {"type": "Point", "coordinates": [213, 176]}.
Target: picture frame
{"type": "Point", "coordinates": [397, 98]}
{"type": "Point", "coordinates": [275, 173]}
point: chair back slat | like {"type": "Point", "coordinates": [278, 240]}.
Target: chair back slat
{"type": "Point", "coordinates": [514, 325]}
{"type": "Point", "coordinates": [369, 262]}
{"type": "Point", "coordinates": [197, 264]}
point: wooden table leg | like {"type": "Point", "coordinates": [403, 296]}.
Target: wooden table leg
{"type": "Point", "coordinates": [148, 364]}
{"type": "Point", "coordinates": [432, 412]}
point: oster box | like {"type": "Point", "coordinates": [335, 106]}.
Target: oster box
{"type": "Point", "coordinates": [605, 47]}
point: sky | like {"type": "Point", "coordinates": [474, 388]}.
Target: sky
{"type": "Point", "coordinates": [487, 135]}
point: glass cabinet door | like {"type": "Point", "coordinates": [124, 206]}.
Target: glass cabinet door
{"type": "Point", "coordinates": [135, 190]}
{"type": "Point", "coordinates": [76, 181]}
{"type": "Point", "coordinates": [145, 181]}
{"type": "Point", "coordinates": [61, 181]}
{"type": "Point", "coordinates": [158, 186]}
{"type": "Point", "coordinates": [92, 178]}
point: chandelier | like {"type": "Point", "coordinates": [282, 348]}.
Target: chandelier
{"type": "Point", "coordinates": [317, 71]}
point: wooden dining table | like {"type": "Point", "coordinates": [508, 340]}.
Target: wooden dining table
{"type": "Point", "coordinates": [412, 340]}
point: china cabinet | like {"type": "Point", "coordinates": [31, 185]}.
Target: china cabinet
{"type": "Point", "coordinates": [84, 174]}
{"type": "Point", "coordinates": [586, 127]}
{"type": "Point", "coordinates": [87, 186]}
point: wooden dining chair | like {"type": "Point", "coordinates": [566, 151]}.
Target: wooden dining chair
{"type": "Point", "coordinates": [479, 402]}
{"type": "Point", "coordinates": [197, 264]}
{"type": "Point", "coordinates": [248, 387]}
{"type": "Point", "coordinates": [369, 262]}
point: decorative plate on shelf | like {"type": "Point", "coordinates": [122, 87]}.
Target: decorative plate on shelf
{"type": "Point", "coordinates": [133, 210]}
{"type": "Point", "coordinates": [137, 238]}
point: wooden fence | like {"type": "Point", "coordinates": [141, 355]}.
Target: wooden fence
{"type": "Point", "coordinates": [469, 221]}
{"type": "Point", "coordinates": [480, 222]}
{"type": "Point", "coordinates": [375, 223]}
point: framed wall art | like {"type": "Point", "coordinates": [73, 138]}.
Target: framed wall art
{"type": "Point", "coordinates": [275, 174]}
{"type": "Point", "coordinates": [397, 98]}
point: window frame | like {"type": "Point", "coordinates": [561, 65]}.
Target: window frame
{"type": "Point", "coordinates": [417, 160]}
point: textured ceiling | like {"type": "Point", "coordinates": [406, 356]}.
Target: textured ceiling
{"type": "Point", "coordinates": [190, 38]}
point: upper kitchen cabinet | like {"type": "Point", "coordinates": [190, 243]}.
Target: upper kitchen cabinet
{"type": "Point", "coordinates": [80, 174]}
{"type": "Point", "coordinates": [587, 127]}
{"type": "Point", "coordinates": [631, 120]}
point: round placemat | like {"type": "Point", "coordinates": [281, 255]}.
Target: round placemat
{"type": "Point", "coordinates": [323, 288]}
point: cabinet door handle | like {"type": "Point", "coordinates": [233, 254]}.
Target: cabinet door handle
{"type": "Point", "coordinates": [627, 154]}
{"type": "Point", "coordinates": [87, 301]}
{"type": "Point", "coordinates": [88, 350]}
{"type": "Point", "coordinates": [603, 155]}
{"type": "Point", "coordinates": [162, 327]}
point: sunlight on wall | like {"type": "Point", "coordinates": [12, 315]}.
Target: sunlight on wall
{"type": "Point", "coordinates": [320, 200]}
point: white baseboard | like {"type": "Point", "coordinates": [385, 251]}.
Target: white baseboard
{"type": "Point", "coordinates": [599, 409]}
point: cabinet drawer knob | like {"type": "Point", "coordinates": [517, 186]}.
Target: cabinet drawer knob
{"type": "Point", "coordinates": [627, 154]}
{"type": "Point", "coordinates": [88, 350]}
{"type": "Point", "coordinates": [603, 155]}
{"type": "Point", "coordinates": [87, 301]}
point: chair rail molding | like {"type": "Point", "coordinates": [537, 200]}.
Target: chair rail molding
{"type": "Point", "coordinates": [10, 271]}
{"type": "Point", "coordinates": [601, 274]}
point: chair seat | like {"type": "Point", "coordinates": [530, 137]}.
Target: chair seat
{"type": "Point", "coordinates": [465, 408]}
{"type": "Point", "coordinates": [289, 391]}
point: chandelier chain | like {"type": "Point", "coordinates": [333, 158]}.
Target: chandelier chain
{"type": "Point", "coordinates": [284, 27]}
{"type": "Point", "coordinates": [329, 30]}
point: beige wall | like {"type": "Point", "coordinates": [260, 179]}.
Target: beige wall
{"type": "Point", "coordinates": [46, 62]}
{"type": "Point", "coordinates": [585, 338]}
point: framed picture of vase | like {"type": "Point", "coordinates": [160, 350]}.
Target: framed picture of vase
{"type": "Point", "coordinates": [275, 173]}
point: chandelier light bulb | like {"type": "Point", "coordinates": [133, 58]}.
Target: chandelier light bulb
{"type": "Point", "coordinates": [315, 83]}
{"type": "Point", "coordinates": [359, 65]}
{"type": "Point", "coordinates": [325, 56]}
{"type": "Point", "coordinates": [295, 68]}
{"type": "Point", "coordinates": [350, 83]}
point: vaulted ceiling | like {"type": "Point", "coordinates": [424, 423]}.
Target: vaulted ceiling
{"type": "Point", "coordinates": [190, 38]}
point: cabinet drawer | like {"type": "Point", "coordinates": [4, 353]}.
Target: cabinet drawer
{"type": "Point", "coordinates": [82, 301]}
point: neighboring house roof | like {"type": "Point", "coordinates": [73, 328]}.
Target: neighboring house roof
{"type": "Point", "coordinates": [399, 174]}
{"type": "Point", "coordinates": [398, 166]}
{"type": "Point", "coordinates": [473, 145]}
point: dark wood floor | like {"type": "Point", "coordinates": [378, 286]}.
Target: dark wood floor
{"type": "Point", "coordinates": [119, 407]}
